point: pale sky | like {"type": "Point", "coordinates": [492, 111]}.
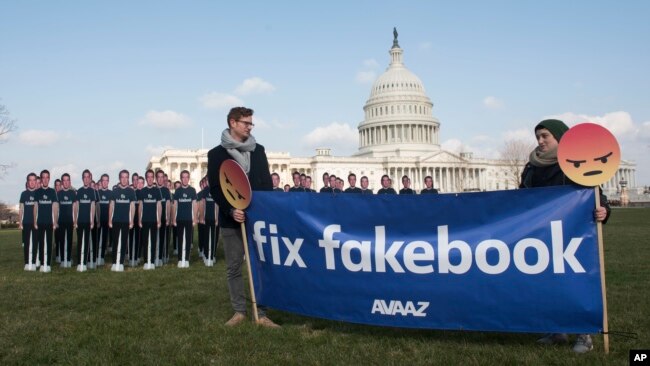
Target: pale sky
{"type": "Point", "coordinates": [106, 85]}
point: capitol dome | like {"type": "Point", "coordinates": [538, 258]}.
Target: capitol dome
{"type": "Point", "coordinates": [397, 81]}
{"type": "Point", "coordinates": [398, 114]}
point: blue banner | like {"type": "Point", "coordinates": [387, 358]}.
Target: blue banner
{"type": "Point", "coordinates": [517, 261]}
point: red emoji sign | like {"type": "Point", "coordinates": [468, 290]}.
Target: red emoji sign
{"type": "Point", "coordinates": [589, 154]}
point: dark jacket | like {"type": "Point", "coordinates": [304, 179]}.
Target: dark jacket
{"type": "Point", "coordinates": [552, 175]}
{"type": "Point", "coordinates": [259, 177]}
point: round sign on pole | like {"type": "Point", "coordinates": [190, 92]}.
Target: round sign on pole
{"type": "Point", "coordinates": [237, 189]}
{"type": "Point", "coordinates": [589, 154]}
{"type": "Point", "coordinates": [235, 185]}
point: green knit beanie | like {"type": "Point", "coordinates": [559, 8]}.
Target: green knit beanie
{"type": "Point", "coordinates": [556, 127]}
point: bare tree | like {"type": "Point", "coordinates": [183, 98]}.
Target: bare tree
{"type": "Point", "coordinates": [514, 155]}
{"type": "Point", "coordinates": [7, 125]}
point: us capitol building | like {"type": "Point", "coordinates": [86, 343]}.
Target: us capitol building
{"type": "Point", "coordinates": [398, 136]}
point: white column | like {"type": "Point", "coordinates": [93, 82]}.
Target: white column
{"type": "Point", "coordinates": [444, 176]}
{"type": "Point", "coordinates": [454, 178]}
{"type": "Point", "coordinates": [432, 172]}
{"type": "Point", "coordinates": [452, 186]}
{"type": "Point", "coordinates": [483, 176]}
{"type": "Point", "coordinates": [433, 176]}
{"type": "Point", "coordinates": [414, 179]}
{"type": "Point", "coordinates": [629, 177]}
{"type": "Point", "coordinates": [475, 178]}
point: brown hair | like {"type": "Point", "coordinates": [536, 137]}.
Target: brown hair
{"type": "Point", "coordinates": [238, 112]}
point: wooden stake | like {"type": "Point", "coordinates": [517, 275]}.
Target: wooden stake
{"type": "Point", "coordinates": [250, 273]}
{"type": "Point", "coordinates": [601, 255]}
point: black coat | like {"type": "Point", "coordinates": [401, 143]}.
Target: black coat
{"type": "Point", "coordinates": [552, 175]}
{"type": "Point", "coordinates": [259, 177]}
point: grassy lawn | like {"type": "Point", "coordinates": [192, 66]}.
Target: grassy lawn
{"type": "Point", "coordinates": [174, 316]}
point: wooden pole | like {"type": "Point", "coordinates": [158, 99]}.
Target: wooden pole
{"type": "Point", "coordinates": [250, 273]}
{"type": "Point", "coordinates": [601, 256]}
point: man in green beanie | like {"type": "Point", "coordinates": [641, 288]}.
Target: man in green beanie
{"type": "Point", "coordinates": [543, 170]}
{"type": "Point", "coordinates": [556, 127]}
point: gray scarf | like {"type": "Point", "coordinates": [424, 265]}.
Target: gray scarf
{"type": "Point", "coordinates": [542, 159]}
{"type": "Point", "coordinates": [240, 151]}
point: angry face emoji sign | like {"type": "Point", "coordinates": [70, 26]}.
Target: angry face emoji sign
{"type": "Point", "coordinates": [589, 154]}
{"type": "Point", "coordinates": [234, 184]}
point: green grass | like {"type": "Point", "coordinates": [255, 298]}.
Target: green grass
{"type": "Point", "coordinates": [173, 316]}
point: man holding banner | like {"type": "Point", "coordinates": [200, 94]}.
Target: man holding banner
{"type": "Point", "coordinates": [237, 143]}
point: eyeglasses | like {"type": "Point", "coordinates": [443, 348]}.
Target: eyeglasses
{"type": "Point", "coordinates": [247, 124]}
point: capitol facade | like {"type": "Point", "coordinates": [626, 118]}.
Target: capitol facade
{"type": "Point", "coordinates": [398, 136]}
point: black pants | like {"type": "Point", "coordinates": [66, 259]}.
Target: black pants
{"type": "Point", "coordinates": [84, 243]}
{"type": "Point", "coordinates": [120, 241]}
{"type": "Point", "coordinates": [134, 242]}
{"type": "Point", "coordinates": [202, 238]}
{"type": "Point", "coordinates": [45, 244]}
{"type": "Point", "coordinates": [102, 240]}
{"type": "Point", "coordinates": [58, 247]}
{"type": "Point", "coordinates": [211, 233]}
{"type": "Point", "coordinates": [149, 234]}
{"type": "Point", "coordinates": [64, 232]}
{"type": "Point", "coordinates": [174, 238]}
{"type": "Point", "coordinates": [163, 238]}
{"type": "Point", "coordinates": [185, 232]}
{"type": "Point", "coordinates": [30, 243]}
{"type": "Point", "coordinates": [95, 240]}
